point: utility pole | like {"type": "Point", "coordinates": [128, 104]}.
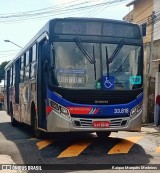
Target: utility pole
{"type": "Point", "coordinates": [145, 117]}
{"type": "Point", "coordinates": [151, 45]}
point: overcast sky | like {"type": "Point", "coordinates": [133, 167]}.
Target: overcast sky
{"type": "Point", "coordinates": [21, 30]}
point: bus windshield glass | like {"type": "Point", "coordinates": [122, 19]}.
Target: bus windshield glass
{"type": "Point", "coordinates": [110, 66]}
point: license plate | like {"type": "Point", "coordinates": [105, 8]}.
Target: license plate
{"type": "Point", "coordinates": [101, 124]}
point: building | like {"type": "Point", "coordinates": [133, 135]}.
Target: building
{"type": "Point", "coordinates": [147, 14]}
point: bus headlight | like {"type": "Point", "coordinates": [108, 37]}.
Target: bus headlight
{"type": "Point", "coordinates": [134, 111]}
{"type": "Point", "coordinates": [139, 107]}
{"type": "Point", "coordinates": [54, 105]}
{"type": "Point", "coordinates": [62, 111]}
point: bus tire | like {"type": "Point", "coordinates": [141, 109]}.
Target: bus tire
{"type": "Point", "coordinates": [103, 134]}
{"type": "Point", "coordinates": [13, 121]}
{"type": "Point", "coordinates": [37, 133]}
{"type": "Point", "coordinates": [34, 123]}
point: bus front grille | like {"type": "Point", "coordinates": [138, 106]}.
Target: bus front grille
{"type": "Point", "coordinates": [88, 123]}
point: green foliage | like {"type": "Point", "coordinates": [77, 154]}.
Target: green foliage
{"type": "Point", "coordinates": [2, 66]}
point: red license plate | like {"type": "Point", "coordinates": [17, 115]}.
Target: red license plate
{"type": "Point", "coordinates": [101, 124]}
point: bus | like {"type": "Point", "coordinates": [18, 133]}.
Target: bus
{"type": "Point", "coordinates": [78, 75]}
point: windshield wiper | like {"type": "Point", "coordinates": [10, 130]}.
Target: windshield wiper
{"type": "Point", "coordinates": [85, 52]}
{"type": "Point", "coordinates": [107, 62]}
{"type": "Point", "coordinates": [123, 66]}
{"type": "Point", "coordinates": [94, 63]}
{"type": "Point", "coordinates": [116, 51]}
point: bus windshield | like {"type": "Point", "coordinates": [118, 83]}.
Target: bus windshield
{"type": "Point", "coordinates": [74, 70]}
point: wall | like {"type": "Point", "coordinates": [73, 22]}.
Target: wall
{"type": "Point", "coordinates": [142, 9]}
{"type": "Point", "coordinates": [156, 8]}
{"type": "Point", "coordinates": [141, 13]}
{"type": "Point", "coordinates": [155, 56]}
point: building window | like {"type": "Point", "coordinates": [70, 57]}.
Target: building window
{"type": "Point", "coordinates": [144, 29]}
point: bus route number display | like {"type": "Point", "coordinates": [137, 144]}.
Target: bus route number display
{"type": "Point", "coordinates": [135, 80]}
{"type": "Point", "coordinates": [71, 76]}
{"type": "Point", "coordinates": [71, 79]}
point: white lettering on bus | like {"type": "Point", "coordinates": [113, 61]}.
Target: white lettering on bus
{"type": "Point", "coordinates": [70, 80]}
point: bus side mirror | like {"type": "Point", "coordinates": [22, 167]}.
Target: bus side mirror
{"type": "Point", "coordinates": [53, 58]}
{"type": "Point", "coordinates": [45, 55]}
{"type": "Point", "coordinates": [46, 65]}
{"type": "Point", "coordinates": [45, 51]}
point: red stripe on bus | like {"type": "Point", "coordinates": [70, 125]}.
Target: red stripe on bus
{"type": "Point", "coordinates": [97, 110]}
{"type": "Point", "coordinates": [48, 109]}
{"type": "Point", "coordinates": [79, 110]}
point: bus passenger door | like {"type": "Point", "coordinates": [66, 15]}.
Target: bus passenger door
{"type": "Point", "coordinates": [41, 86]}
{"type": "Point", "coordinates": [17, 81]}
{"type": "Point", "coordinates": [7, 90]}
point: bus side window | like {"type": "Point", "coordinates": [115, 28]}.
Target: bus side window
{"type": "Point", "coordinates": [30, 61]}
{"type": "Point", "coordinates": [26, 68]}
{"type": "Point", "coordinates": [33, 63]}
{"type": "Point", "coordinates": [11, 76]}
{"type": "Point", "coordinates": [17, 80]}
{"type": "Point", "coordinates": [5, 80]}
{"type": "Point", "coordinates": [13, 72]}
{"type": "Point", "coordinates": [22, 69]}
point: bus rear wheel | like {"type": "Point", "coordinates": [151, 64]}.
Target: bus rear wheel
{"type": "Point", "coordinates": [103, 134]}
{"type": "Point", "coordinates": [13, 121]}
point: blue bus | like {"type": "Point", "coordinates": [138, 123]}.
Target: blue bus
{"type": "Point", "coordinates": [78, 75]}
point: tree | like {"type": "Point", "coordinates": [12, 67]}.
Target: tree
{"type": "Point", "coordinates": [2, 66]}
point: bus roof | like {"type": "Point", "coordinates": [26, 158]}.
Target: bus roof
{"type": "Point", "coordinates": [45, 28]}
{"type": "Point", "coordinates": [91, 19]}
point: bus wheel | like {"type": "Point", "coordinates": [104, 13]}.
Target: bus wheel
{"type": "Point", "coordinates": [103, 134]}
{"type": "Point", "coordinates": [13, 121]}
{"type": "Point", "coordinates": [38, 133]}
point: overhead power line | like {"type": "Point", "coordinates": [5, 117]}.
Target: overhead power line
{"type": "Point", "coordinates": [40, 10]}
{"type": "Point", "coordinates": [97, 10]}
{"type": "Point", "coordinates": [7, 51]}
{"type": "Point", "coordinates": [56, 10]}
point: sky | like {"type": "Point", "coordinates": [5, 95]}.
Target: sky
{"type": "Point", "coordinates": [19, 28]}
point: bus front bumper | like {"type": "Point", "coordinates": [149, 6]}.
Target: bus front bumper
{"type": "Point", "coordinates": [57, 123]}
